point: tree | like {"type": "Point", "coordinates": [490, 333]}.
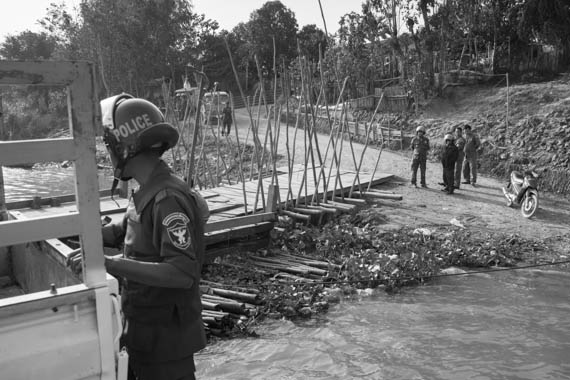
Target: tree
{"type": "Point", "coordinates": [311, 41]}
{"type": "Point", "coordinates": [31, 46]}
{"type": "Point", "coordinates": [273, 21]}
{"type": "Point", "coordinates": [545, 21]}
{"type": "Point", "coordinates": [380, 20]}
{"type": "Point", "coordinates": [28, 45]}
{"type": "Point", "coordinates": [132, 42]}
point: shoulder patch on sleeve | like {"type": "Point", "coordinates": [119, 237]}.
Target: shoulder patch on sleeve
{"type": "Point", "coordinates": [176, 225]}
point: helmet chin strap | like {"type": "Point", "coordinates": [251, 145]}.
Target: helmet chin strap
{"type": "Point", "coordinates": [117, 174]}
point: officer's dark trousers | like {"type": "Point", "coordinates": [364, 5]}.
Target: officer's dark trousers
{"type": "Point", "coordinates": [448, 178]}
{"type": "Point", "coordinates": [420, 163]}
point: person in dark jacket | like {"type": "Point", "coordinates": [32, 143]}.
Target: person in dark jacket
{"type": "Point", "coordinates": [448, 159]}
{"type": "Point", "coordinates": [163, 237]}
{"type": "Point", "coordinates": [226, 120]}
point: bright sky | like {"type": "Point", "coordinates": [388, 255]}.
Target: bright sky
{"type": "Point", "coordinates": [229, 13]}
{"type": "Point", "coordinates": [19, 15]}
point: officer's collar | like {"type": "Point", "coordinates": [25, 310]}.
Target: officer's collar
{"type": "Point", "coordinates": [146, 193]}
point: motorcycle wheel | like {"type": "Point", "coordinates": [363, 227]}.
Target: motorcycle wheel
{"type": "Point", "coordinates": [529, 204]}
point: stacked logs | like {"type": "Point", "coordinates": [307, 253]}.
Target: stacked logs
{"type": "Point", "coordinates": [223, 310]}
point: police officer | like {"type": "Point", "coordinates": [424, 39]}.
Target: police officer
{"type": "Point", "coordinates": [471, 149]}
{"type": "Point", "coordinates": [162, 233]}
{"type": "Point", "coordinates": [420, 147]}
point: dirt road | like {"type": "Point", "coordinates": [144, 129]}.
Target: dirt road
{"type": "Point", "coordinates": [479, 208]}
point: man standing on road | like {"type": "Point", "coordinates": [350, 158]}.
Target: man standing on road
{"type": "Point", "coordinates": [460, 144]}
{"type": "Point", "coordinates": [420, 147]}
{"type": "Point", "coordinates": [472, 145]}
{"type": "Point", "coordinates": [226, 120]}
{"type": "Point", "coordinates": [163, 237]}
{"type": "Point", "coordinates": [448, 160]}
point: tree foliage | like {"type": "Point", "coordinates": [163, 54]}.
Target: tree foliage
{"type": "Point", "coordinates": [273, 21]}
{"type": "Point", "coordinates": [311, 41]}
{"type": "Point", "coordinates": [134, 42]}
{"type": "Point", "coordinates": [28, 45]}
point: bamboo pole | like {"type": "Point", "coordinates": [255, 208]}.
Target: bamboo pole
{"type": "Point", "coordinates": [242, 95]}
{"type": "Point", "coordinates": [220, 158]}
{"type": "Point", "coordinates": [292, 160]}
{"type": "Point", "coordinates": [268, 135]}
{"type": "Point", "coordinates": [311, 127]}
{"type": "Point", "coordinates": [364, 149]}
{"type": "Point", "coordinates": [190, 157]}
{"type": "Point", "coordinates": [334, 158]}
{"type": "Point", "coordinates": [342, 130]}
{"type": "Point", "coordinates": [276, 122]}
{"type": "Point", "coordinates": [305, 162]}
{"type": "Point", "coordinates": [375, 166]}
{"type": "Point", "coordinates": [507, 119]}
{"type": "Point", "coordinates": [238, 149]}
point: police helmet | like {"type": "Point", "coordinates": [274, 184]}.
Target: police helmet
{"type": "Point", "coordinates": [132, 125]}
{"type": "Point", "coordinates": [448, 137]}
{"type": "Point", "coordinates": [420, 128]}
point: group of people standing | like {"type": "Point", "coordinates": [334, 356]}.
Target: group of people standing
{"type": "Point", "coordinates": [459, 155]}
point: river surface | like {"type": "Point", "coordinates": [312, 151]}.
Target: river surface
{"type": "Point", "coordinates": [505, 325]}
{"type": "Point", "coordinates": [24, 184]}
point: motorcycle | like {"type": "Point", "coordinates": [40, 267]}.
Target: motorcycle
{"type": "Point", "coordinates": [522, 190]}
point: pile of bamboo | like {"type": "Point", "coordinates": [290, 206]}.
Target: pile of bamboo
{"type": "Point", "coordinates": [289, 267]}
{"type": "Point", "coordinates": [223, 310]}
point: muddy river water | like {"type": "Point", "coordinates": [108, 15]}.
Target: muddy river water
{"type": "Point", "coordinates": [504, 325]}
{"type": "Point", "coordinates": [23, 184]}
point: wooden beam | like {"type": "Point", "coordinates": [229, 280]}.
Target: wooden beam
{"type": "Point", "coordinates": [240, 221]}
{"type": "Point", "coordinates": [38, 73]}
{"type": "Point", "coordinates": [295, 215]}
{"type": "Point", "coordinates": [354, 201]}
{"type": "Point", "coordinates": [32, 151]}
{"type": "Point", "coordinates": [24, 231]}
{"type": "Point", "coordinates": [226, 235]}
{"type": "Point", "coordinates": [307, 211]}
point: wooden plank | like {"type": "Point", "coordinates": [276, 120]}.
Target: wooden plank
{"type": "Point", "coordinates": [83, 116]}
{"type": "Point", "coordinates": [32, 151]}
{"type": "Point", "coordinates": [224, 207]}
{"type": "Point", "coordinates": [40, 72]}
{"type": "Point", "coordinates": [295, 215]}
{"type": "Point", "coordinates": [241, 221]}
{"type": "Point", "coordinates": [45, 300]}
{"type": "Point", "coordinates": [237, 232]}
{"type": "Point", "coordinates": [372, 194]}
{"type": "Point", "coordinates": [23, 231]}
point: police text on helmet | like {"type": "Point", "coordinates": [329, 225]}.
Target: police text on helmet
{"type": "Point", "coordinates": [134, 125]}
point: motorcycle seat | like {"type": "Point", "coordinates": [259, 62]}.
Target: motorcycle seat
{"type": "Point", "coordinates": [517, 177]}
